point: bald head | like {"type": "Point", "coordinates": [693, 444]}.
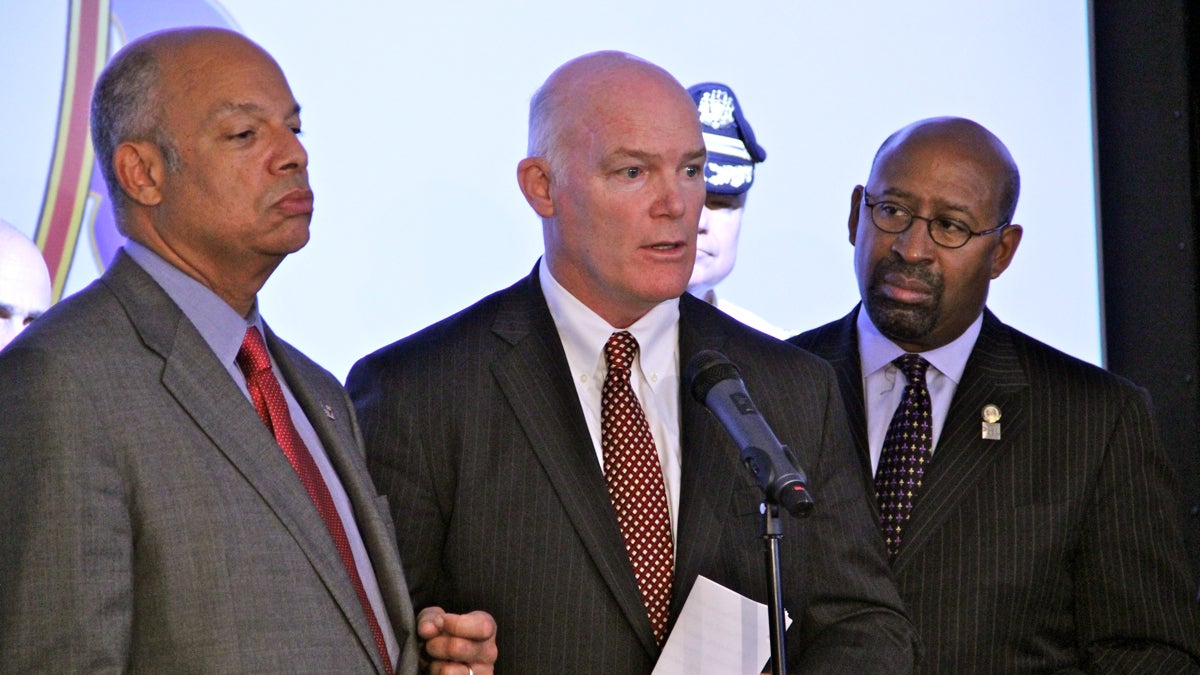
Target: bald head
{"type": "Point", "coordinates": [952, 176]}
{"type": "Point", "coordinates": [616, 172]}
{"type": "Point", "coordinates": [972, 138]}
{"type": "Point", "coordinates": [25, 290]}
{"type": "Point", "coordinates": [571, 95]}
{"type": "Point", "coordinates": [131, 98]}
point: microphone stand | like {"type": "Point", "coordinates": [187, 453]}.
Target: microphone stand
{"type": "Point", "coordinates": [772, 534]}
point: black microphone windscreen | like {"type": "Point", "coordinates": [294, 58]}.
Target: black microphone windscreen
{"type": "Point", "coordinates": [705, 370]}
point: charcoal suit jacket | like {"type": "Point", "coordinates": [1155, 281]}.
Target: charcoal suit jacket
{"type": "Point", "coordinates": [149, 522]}
{"type": "Point", "coordinates": [1057, 547]}
{"type": "Point", "coordinates": [475, 432]}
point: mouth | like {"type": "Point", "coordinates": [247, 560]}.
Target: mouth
{"type": "Point", "coordinates": [297, 202]}
{"type": "Point", "coordinates": [906, 284]}
{"type": "Point", "coordinates": [905, 289]}
{"type": "Point", "coordinates": [667, 246]}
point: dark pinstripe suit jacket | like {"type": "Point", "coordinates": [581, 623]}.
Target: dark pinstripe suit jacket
{"type": "Point", "coordinates": [476, 434]}
{"type": "Point", "coordinates": [1054, 548]}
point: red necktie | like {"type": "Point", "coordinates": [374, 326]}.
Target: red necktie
{"type": "Point", "coordinates": [272, 407]}
{"type": "Point", "coordinates": [635, 482]}
{"type": "Point", "coordinates": [906, 449]}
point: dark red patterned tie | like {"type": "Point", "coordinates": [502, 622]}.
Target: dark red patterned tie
{"type": "Point", "coordinates": [635, 482]}
{"type": "Point", "coordinates": [906, 450]}
{"type": "Point", "coordinates": [272, 407]}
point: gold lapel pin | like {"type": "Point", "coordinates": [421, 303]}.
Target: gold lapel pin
{"type": "Point", "coordinates": [328, 411]}
{"type": "Point", "coordinates": [991, 422]}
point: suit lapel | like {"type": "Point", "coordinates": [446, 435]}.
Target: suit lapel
{"type": "Point", "coordinates": [993, 375]}
{"type": "Point", "coordinates": [201, 386]}
{"type": "Point", "coordinates": [536, 380]}
{"type": "Point", "coordinates": [840, 348]}
{"type": "Point", "coordinates": [325, 405]}
{"type": "Point", "coordinates": [705, 481]}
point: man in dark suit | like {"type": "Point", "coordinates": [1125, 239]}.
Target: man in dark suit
{"type": "Point", "coordinates": [1030, 512]}
{"type": "Point", "coordinates": [494, 432]}
{"type": "Point", "coordinates": [180, 490]}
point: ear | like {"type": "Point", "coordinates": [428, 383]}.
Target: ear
{"type": "Point", "coordinates": [535, 179]}
{"type": "Point", "coordinates": [140, 170]}
{"type": "Point", "coordinates": [856, 197]}
{"type": "Point", "coordinates": [1006, 248]}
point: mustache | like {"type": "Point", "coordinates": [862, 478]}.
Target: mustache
{"type": "Point", "coordinates": [894, 265]}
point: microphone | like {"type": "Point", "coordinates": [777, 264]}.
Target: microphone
{"type": "Point", "coordinates": [716, 383]}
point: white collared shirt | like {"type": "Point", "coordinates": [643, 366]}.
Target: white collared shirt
{"type": "Point", "coordinates": [883, 383]}
{"type": "Point", "coordinates": [655, 374]}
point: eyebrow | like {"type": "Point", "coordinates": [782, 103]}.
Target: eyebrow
{"type": "Point", "coordinates": [7, 309]}
{"type": "Point", "coordinates": [647, 156]}
{"type": "Point", "coordinates": [893, 192]}
{"type": "Point", "coordinates": [230, 108]}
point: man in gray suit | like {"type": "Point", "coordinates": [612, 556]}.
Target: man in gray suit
{"type": "Point", "coordinates": [494, 432]}
{"type": "Point", "coordinates": [151, 520]}
{"type": "Point", "coordinates": [1031, 515]}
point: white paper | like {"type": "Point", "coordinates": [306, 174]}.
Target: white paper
{"type": "Point", "coordinates": [719, 632]}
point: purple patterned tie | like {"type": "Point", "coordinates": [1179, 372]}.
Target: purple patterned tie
{"type": "Point", "coordinates": [906, 450]}
{"type": "Point", "coordinates": [635, 482]}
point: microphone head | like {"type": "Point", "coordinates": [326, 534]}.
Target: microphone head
{"type": "Point", "coordinates": [705, 370]}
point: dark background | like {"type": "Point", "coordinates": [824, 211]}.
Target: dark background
{"type": "Point", "coordinates": [1146, 59]}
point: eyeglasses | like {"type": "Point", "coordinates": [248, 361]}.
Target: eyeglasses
{"type": "Point", "coordinates": [893, 218]}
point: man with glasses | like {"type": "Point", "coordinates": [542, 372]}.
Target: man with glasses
{"type": "Point", "coordinates": [1030, 516]}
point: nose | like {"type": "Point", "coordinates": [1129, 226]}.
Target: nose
{"type": "Point", "coordinates": [915, 244]}
{"type": "Point", "coordinates": [670, 202]}
{"type": "Point", "coordinates": [704, 220]}
{"type": "Point", "coordinates": [290, 155]}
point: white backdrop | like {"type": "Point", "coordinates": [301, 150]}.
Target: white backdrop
{"type": "Point", "coordinates": [414, 118]}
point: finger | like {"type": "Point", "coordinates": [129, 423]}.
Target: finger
{"type": "Point", "coordinates": [431, 622]}
{"type": "Point", "coordinates": [476, 625]}
{"type": "Point", "coordinates": [456, 668]}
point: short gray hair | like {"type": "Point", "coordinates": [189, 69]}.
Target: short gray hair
{"type": "Point", "coordinates": [545, 128]}
{"type": "Point", "coordinates": [127, 106]}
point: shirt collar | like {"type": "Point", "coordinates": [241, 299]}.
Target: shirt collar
{"type": "Point", "coordinates": [876, 351]}
{"type": "Point", "coordinates": [222, 328]}
{"type": "Point", "coordinates": [584, 333]}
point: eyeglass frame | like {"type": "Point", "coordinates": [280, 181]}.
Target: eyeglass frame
{"type": "Point", "coordinates": [928, 223]}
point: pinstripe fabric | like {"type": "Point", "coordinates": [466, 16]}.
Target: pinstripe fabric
{"type": "Point", "coordinates": [150, 522]}
{"type": "Point", "coordinates": [1057, 547]}
{"type": "Point", "coordinates": [475, 433]}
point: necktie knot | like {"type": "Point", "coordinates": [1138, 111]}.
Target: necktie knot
{"type": "Point", "coordinates": [620, 350]}
{"type": "Point", "coordinates": [253, 357]}
{"type": "Point", "coordinates": [914, 367]}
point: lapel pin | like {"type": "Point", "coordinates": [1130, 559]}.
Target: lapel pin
{"type": "Point", "coordinates": [328, 411]}
{"type": "Point", "coordinates": [991, 422]}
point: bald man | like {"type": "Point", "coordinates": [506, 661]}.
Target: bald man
{"type": "Point", "coordinates": [24, 283]}
{"type": "Point", "coordinates": [493, 432]}
{"type": "Point", "coordinates": [1030, 514]}
{"type": "Point", "coordinates": [180, 489]}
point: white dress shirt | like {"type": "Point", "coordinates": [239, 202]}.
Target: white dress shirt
{"type": "Point", "coordinates": [883, 383]}
{"type": "Point", "coordinates": [654, 378]}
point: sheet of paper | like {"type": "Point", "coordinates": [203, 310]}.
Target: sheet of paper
{"type": "Point", "coordinates": [719, 632]}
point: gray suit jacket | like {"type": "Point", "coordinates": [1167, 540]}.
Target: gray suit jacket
{"type": "Point", "coordinates": [1055, 548]}
{"type": "Point", "coordinates": [475, 432]}
{"type": "Point", "coordinates": [151, 523]}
